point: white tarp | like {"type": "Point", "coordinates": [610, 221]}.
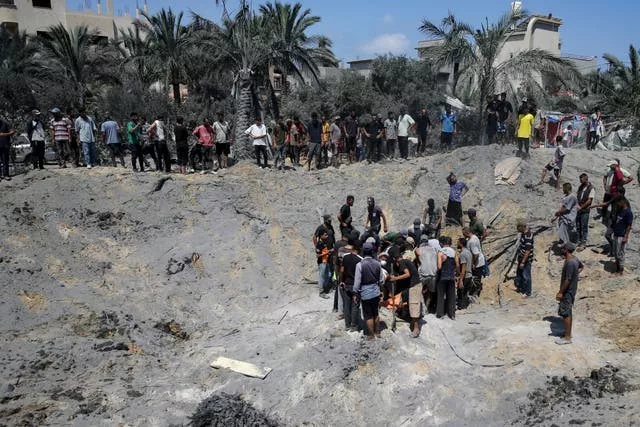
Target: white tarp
{"type": "Point", "coordinates": [507, 171]}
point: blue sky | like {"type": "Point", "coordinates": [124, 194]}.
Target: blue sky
{"type": "Point", "coordinates": [363, 28]}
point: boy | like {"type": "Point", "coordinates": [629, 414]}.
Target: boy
{"type": "Point", "coordinates": [556, 164]}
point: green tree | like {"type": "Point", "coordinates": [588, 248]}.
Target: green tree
{"type": "Point", "coordinates": [171, 46]}
{"type": "Point", "coordinates": [21, 72]}
{"type": "Point", "coordinates": [622, 84]}
{"type": "Point", "coordinates": [477, 51]}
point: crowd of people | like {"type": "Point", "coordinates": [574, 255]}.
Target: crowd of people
{"type": "Point", "coordinates": [417, 270]}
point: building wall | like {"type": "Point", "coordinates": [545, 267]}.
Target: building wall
{"type": "Point", "coordinates": [33, 19]}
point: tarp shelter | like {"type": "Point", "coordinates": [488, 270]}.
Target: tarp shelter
{"type": "Point", "coordinates": [556, 123]}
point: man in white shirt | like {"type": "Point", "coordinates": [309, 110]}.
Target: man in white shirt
{"type": "Point", "coordinates": [405, 123]}
{"type": "Point", "coordinates": [223, 145]}
{"type": "Point", "coordinates": [475, 247]}
{"type": "Point", "coordinates": [36, 135]}
{"type": "Point", "coordinates": [391, 134]}
{"type": "Point", "coordinates": [258, 133]}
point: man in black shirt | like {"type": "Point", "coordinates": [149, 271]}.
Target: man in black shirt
{"type": "Point", "coordinates": [375, 216]}
{"type": "Point", "coordinates": [492, 119]}
{"type": "Point", "coordinates": [373, 132]}
{"type": "Point", "coordinates": [181, 134]}
{"type": "Point", "coordinates": [505, 109]}
{"type": "Point", "coordinates": [407, 272]}
{"type": "Point", "coordinates": [423, 123]}
{"type": "Point", "coordinates": [6, 131]}
{"type": "Point", "coordinates": [351, 130]}
{"type": "Point", "coordinates": [351, 308]}
{"type": "Point", "coordinates": [314, 128]}
{"type": "Point", "coordinates": [325, 226]}
{"type": "Point", "coordinates": [345, 216]}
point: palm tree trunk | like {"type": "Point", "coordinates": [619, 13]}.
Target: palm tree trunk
{"type": "Point", "coordinates": [176, 93]}
{"type": "Point", "coordinates": [243, 146]}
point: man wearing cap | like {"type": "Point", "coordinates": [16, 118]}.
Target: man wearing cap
{"type": "Point", "coordinates": [36, 135]}
{"type": "Point", "coordinates": [60, 129]}
{"type": "Point", "coordinates": [568, 288]}
{"type": "Point", "coordinates": [525, 259]}
{"type": "Point", "coordinates": [368, 279]}
{"type": "Point", "coordinates": [457, 190]}
{"type": "Point", "coordinates": [566, 215]}
{"type": "Point", "coordinates": [476, 226]}
{"type": "Point", "coordinates": [428, 270]}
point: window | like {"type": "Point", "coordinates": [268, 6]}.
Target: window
{"type": "Point", "coordinates": [43, 34]}
{"type": "Point", "coordinates": [42, 3]}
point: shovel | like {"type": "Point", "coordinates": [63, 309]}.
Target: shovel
{"type": "Point", "coordinates": [393, 305]}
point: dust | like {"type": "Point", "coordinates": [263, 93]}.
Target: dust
{"type": "Point", "coordinates": [624, 332]}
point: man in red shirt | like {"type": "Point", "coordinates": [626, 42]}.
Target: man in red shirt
{"type": "Point", "coordinates": [618, 180]}
{"type": "Point", "coordinates": [204, 147]}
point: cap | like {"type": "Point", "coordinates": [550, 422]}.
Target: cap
{"type": "Point", "coordinates": [410, 240]}
{"type": "Point", "coordinates": [570, 246]}
{"type": "Point", "coordinates": [471, 211]}
{"type": "Point", "coordinates": [368, 247]}
{"type": "Point", "coordinates": [370, 240]}
{"type": "Point", "coordinates": [424, 238]}
{"type": "Point", "coordinates": [417, 221]}
{"type": "Point", "coordinates": [56, 110]}
{"type": "Point", "coordinates": [35, 112]}
{"type": "Point", "coordinates": [613, 163]}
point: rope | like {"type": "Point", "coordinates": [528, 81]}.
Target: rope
{"type": "Point", "coordinates": [483, 365]}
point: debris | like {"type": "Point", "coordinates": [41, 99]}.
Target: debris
{"type": "Point", "coordinates": [228, 410]}
{"type": "Point", "coordinates": [244, 368]}
{"type": "Point", "coordinates": [172, 327]}
{"type": "Point", "coordinates": [160, 183]}
{"type": "Point", "coordinates": [282, 318]}
{"type": "Point", "coordinates": [111, 346]}
{"type": "Point", "coordinates": [507, 171]}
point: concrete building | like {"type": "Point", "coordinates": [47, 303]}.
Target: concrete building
{"type": "Point", "coordinates": [362, 66]}
{"type": "Point", "coordinates": [36, 16]}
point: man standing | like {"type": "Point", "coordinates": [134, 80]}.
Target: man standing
{"type": "Point", "coordinates": [374, 216]}
{"type": "Point", "coordinates": [315, 140]}
{"type": "Point", "coordinates": [505, 109]}
{"type": "Point", "coordinates": [6, 132]}
{"type": "Point", "coordinates": [391, 134]}
{"type": "Point", "coordinates": [465, 279]}
{"type": "Point", "coordinates": [366, 287]}
{"type": "Point", "coordinates": [351, 132]}
{"type": "Point", "coordinates": [555, 165]}
{"type": "Point", "coordinates": [448, 264]}
{"type": "Point", "coordinates": [181, 135]}
{"type": "Point", "coordinates": [568, 288]}
{"type": "Point", "coordinates": [566, 215]}
{"type": "Point", "coordinates": [524, 259]}
{"type": "Point", "coordinates": [406, 271]}
{"type": "Point", "coordinates": [492, 119]}
{"type": "Point", "coordinates": [585, 195]}
{"type": "Point", "coordinates": [423, 123]}
{"type": "Point", "coordinates": [335, 136]}
{"type": "Point", "coordinates": [621, 230]}
{"type": "Point", "coordinates": [158, 133]}
{"type": "Point", "coordinates": [449, 127]}
{"type": "Point", "coordinates": [223, 145]}
{"type": "Point", "coordinates": [476, 226]}
{"type": "Point", "coordinates": [279, 143]}
{"type": "Point", "coordinates": [36, 135]}
{"type": "Point", "coordinates": [525, 131]}
{"type": "Point", "coordinates": [326, 142]}
{"type": "Point", "coordinates": [134, 130]}
{"type": "Point", "coordinates": [351, 307]}
{"type": "Point", "coordinates": [457, 190]}
{"type": "Point", "coordinates": [60, 129]}
{"type": "Point", "coordinates": [205, 134]}
{"type": "Point", "coordinates": [258, 134]}
{"type": "Point", "coordinates": [618, 180]}
{"type": "Point", "coordinates": [607, 180]}
{"type": "Point", "coordinates": [432, 217]}
{"type": "Point", "coordinates": [373, 133]}
{"type": "Point", "coordinates": [109, 130]}
{"type": "Point", "coordinates": [478, 267]}
{"type": "Point", "coordinates": [86, 129]}
{"type": "Point", "coordinates": [323, 253]}
{"type": "Point", "coordinates": [594, 123]}
{"type": "Point", "coordinates": [428, 270]}
{"type": "Point", "coordinates": [344, 217]}
{"type": "Point", "coordinates": [405, 123]}
{"type": "Point", "coordinates": [74, 147]}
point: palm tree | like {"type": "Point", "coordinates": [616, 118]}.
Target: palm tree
{"type": "Point", "coordinates": [170, 46]}
{"type": "Point", "coordinates": [477, 51]}
{"type": "Point", "coordinates": [69, 51]}
{"type": "Point", "coordinates": [136, 49]}
{"type": "Point", "coordinates": [624, 83]}
{"type": "Point", "coordinates": [20, 70]}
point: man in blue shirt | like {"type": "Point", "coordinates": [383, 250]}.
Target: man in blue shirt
{"type": "Point", "coordinates": [85, 129]}
{"type": "Point", "coordinates": [109, 130]}
{"type": "Point", "coordinates": [449, 127]}
{"type": "Point", "coordinates": [457, 189]}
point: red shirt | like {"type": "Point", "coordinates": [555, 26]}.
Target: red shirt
{"type": "Point", "coordinates": [617, 181]}
{"type": "Point", "coordinates": [205, 135]}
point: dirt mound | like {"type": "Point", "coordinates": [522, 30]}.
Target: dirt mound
{"type": "Point", "coordinates": [224, 410]}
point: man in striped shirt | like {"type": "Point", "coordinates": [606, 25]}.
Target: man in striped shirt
{"type": "Point", "coordinates": [525, 258]}
{"type": "Point", "coordinates": [60, 129]}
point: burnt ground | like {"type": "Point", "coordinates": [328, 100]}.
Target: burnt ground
{"type": "Point", "coordinates": [119, 292]}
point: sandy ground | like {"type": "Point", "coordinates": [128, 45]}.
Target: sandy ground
{"type": "Point", "coordinates": [117, 298]}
